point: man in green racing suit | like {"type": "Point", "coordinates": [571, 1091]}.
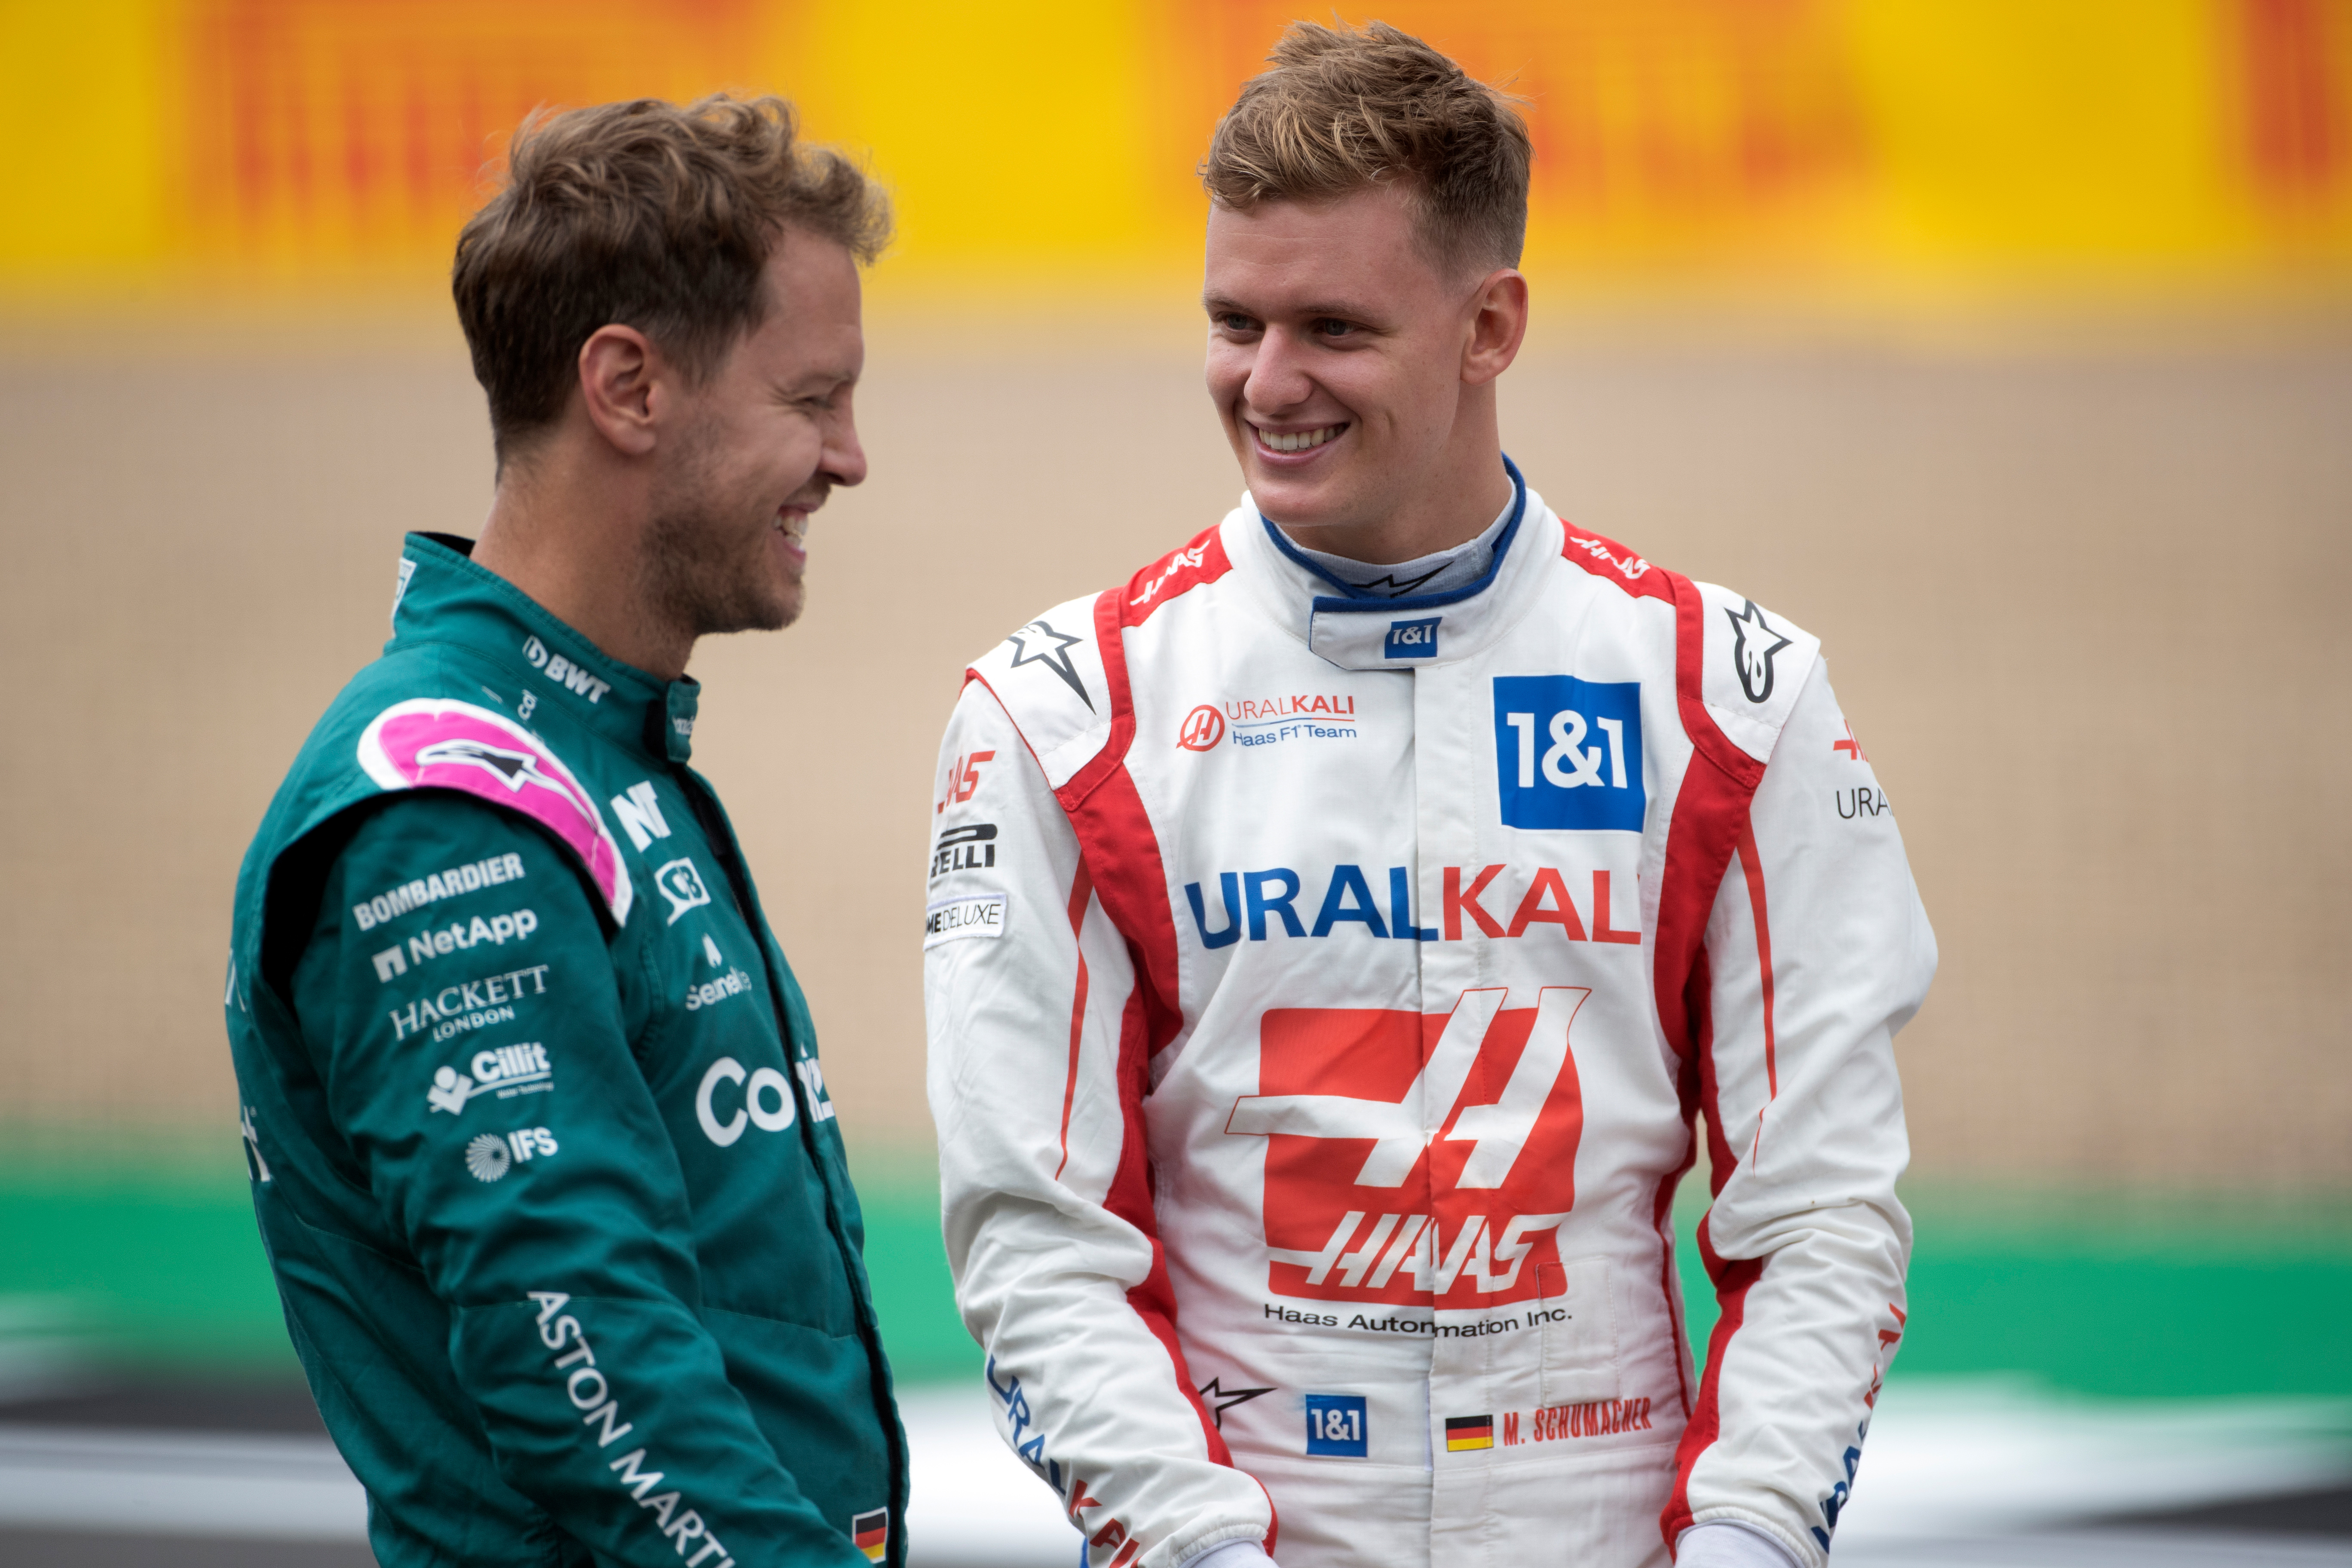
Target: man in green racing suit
{"type": "Point", "coordinates": [540, 1149]}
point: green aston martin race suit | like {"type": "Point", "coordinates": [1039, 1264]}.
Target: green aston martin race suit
{"type": "Point", "coordinates": [541, 1153]}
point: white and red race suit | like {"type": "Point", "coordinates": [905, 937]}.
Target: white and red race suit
{"type": "Point", "coordinates": [1324, 996]}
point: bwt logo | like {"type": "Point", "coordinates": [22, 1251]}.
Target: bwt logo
{"type": "Point", "coordinates": [563, 672]}
{"type": "Point", "coordinates": [1568, 752]}
{"type": "Point", "coordinates": [1412, 639]}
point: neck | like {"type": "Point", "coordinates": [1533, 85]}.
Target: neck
{"type": "Point", "coordinates": [1450, 502]}
{"type": "Point", "coordinates": [566, 529]}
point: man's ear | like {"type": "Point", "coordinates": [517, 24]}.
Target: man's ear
{"type": "Point", "coordinates": [1497, 326]}
{"type": "Point", "coordinates": [626, 386]}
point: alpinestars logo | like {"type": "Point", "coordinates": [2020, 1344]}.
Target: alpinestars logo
{"type": "Point", "coordinates": [1038, 643]}
{"type": "Point", "coordinates": [1754, 642]}
{"type": "Point", "coordinates": [1410, 1171]}
{"type": "Point", "coordinates": [514, 768]}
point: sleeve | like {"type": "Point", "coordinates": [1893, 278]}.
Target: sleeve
{"type": "Point", "coordinates": [1037, 1078]}
{"type": "Point", "coordinates": [475, 1056]}
{"type": "Point", "coordinates": [1817, 951]}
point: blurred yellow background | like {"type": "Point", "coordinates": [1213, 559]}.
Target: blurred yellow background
{"type": "Point", "coordinates": [1884, 153]}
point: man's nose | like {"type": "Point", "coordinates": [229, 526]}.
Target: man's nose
{"type": "Point", "coordinates": [1278, 376]}
{"type": "Point", "coordinates": [844, 457]}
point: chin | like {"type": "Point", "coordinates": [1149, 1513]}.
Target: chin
{"type": "Point", "coordinates": [1295, 500]}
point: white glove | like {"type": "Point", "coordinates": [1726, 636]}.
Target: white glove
{"type": "Point", "coordinates": [1722, 1544]}
{"type": "Point", "coordinates": [1231, 1555]}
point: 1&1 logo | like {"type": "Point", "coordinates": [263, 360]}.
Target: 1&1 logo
{"type": "Point", "coordinates": [1568, 752]}
{"type": "Point", "coordinates": [1203, 728]}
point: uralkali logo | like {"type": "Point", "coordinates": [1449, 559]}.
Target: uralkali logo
{"type": "Point", "coordinates": [1418, 1160]}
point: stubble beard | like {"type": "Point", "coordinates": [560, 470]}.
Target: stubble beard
{"type": "Point", "coordinates": [702, 574]}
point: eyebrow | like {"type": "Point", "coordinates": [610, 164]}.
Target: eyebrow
{"type": "Point", "coordinates": [1345, 311]}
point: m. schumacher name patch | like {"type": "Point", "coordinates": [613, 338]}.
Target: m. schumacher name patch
{"type": "Point", "coordinates": [981, 914]}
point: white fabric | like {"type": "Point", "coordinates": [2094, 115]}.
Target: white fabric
{"type": "Point", "coordinates": [1312, 1153]}
{"type": "Point", "coordinates": [1440, 572]}
{"type": "Point", "coordinates": [1727, 1543]}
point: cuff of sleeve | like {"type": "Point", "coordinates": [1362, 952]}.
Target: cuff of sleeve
{"type": "Point", "coordinates": [1722, 1544]}
{"type": "Point", "coordinates": [1231, 1555]}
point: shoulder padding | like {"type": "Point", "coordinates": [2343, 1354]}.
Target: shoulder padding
{"type": "Point", "coordinates": [1752, 667]}
{"type": "Point", "coordinates": [1049, 677]}
{"type": "Point", "coordinates": [431, 742]}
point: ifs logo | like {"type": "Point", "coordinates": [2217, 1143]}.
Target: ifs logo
{"type": "Point", "coordinates": [1568, 752]}
{"type": "Point", "coordinates": [1409, 1169]}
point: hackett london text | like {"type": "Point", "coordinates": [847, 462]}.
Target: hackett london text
{"type": "Point", "coordinates": [454, 1008]}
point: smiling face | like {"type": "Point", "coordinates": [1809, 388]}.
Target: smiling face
{"type": "Point", "coordinates": [1355, 376]}
{"type": "Point", "coordinates": [762, 442]}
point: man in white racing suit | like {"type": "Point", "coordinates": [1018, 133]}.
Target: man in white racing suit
{"type": "Point", "coordinates": [1342, 934]}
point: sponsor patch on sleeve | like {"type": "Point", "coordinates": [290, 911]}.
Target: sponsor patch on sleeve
{"type": "Point", "coordinates": [948, 920]}
{"type": "Point", "coordinates": [435, 743]}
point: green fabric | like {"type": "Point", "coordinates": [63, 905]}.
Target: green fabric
{"type": "Point", "coordinates": [554, 1199]}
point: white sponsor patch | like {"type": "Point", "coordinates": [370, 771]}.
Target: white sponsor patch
{"type": "Point", "coordinates": [980, 915]}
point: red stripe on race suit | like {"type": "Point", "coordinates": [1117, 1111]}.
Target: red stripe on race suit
{"type": "Point", "coordinates": [1732, 1281]}
{"type": "Point", "coordinates": [1708, 824]}
{"type": "Point", "coordinates": [1082, 889]}
{"type": "Point", "coordinates": [1202, 560]}
{"type": "Point", "coordinates": [1130, 881]}
{"type": "Point", "coordinates": [1605, 558]}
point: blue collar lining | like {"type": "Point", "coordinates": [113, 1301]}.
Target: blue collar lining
{"type": "Point", "coordinates": [1352, 604]}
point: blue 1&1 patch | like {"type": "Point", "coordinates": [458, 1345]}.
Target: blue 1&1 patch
{"type": "Point", "coordinates": [1568, 752]}
{"type": "Point", "coordinates": [1412, 639]}
{"type": "Point", "coordinates": [1336, 1427]}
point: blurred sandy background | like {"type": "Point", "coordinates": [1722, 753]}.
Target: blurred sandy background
{"type": "Point", "coordinates": [2006, 349]}
{"type": "Point", "coordinates": [2084, 607]}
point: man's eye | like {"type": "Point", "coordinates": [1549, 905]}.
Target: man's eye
{"type": "Point", "coordinates": [1332, 327]}
{"type": "Point", "coordinates": [1234, 322]}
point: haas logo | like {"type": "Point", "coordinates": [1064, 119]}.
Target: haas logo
{"type": "Point", "coordinates": [1416, 1159]}
{"type": "Point", "coordinates": [1203, 728]}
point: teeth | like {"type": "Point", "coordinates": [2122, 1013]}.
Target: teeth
{"type": "Point", "coordinates": [1300, 441]}
{"type": "Point", "coordinates": [794, 527]}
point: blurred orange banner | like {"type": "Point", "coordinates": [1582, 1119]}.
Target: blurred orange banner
{"type": "Point", "coordinates": [1918, 146]}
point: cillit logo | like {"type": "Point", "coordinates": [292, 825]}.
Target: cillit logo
{"type": "Point", "coordinates": [1368, 1118]}
{"type": "Point", "coordinates": [1568, 752]}
{"type": "Point", "coordinates": [1412, 639]}
{"type": "Point", "coordinates": [507, 1070]}
{"type": "Point", "coordinates": [1203, 728]}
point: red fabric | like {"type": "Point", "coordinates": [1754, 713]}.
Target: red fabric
{"type": "Point", "coordinates": [1081, 892]}
{"type": "Point", "coordinates": [1203, 560]}
{"type": "Point", "coordinates": [1122, 855]}
{"type": "Point", "coordinates": [1607, 559]}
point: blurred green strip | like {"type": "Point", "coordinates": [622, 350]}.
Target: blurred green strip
{"type": "Point", "coordinates": [150, 1255]}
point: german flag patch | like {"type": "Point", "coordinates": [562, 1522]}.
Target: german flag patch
{"type": "Point", "coordinates": [871, 1530]}
{"type": "Point", "coordinates": [1469, 1432]}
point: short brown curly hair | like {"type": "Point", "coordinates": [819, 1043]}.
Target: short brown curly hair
{"type": "Point", "coordinates": [1346, 108]}
{"type": "Point", "coordinates": [648, 215]}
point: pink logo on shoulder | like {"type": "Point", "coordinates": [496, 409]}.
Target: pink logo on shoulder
{"type": "Point", "coordinates": [432, 743]}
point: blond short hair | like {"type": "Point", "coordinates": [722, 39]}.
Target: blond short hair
{"type": "Point", "coordinates": [1344, 109]}
{"type": "Point", "coordinates": [648, 215]}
